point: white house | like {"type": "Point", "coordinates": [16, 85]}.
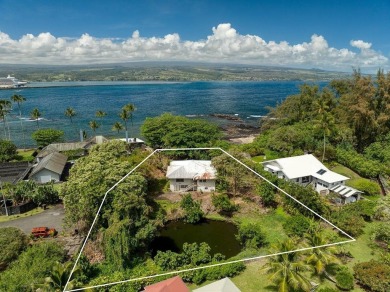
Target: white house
{"type": "Point", "coordinates": [308, 170]}
{"type": "Point", "coordinates": [223, 285]}
{"type": "Point", "coordinates": [191, 175]}
{"type": "Point", "coordinates": [49, 168]}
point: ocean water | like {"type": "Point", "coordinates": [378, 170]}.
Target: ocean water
{"type": "Point", "coordinates": [248, 100]}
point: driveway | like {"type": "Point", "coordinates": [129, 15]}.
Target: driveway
{"type": "Point", "coordinates": [51, 218]}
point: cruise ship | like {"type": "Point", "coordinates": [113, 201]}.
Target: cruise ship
{"type": "Point", "coordinates": [11, 82]}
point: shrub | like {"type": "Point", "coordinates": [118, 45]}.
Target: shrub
{"type": "Point", "coordinates": [267, 193]}
{"type": "Point", "coordinates": [344, 278]}
{"type": "Point", "coordinates": [373, 275]}
{"type": "Point", "coordinates": [382, 209]}
{"type": "Point", "coordinates": [251, 236]}
{"type": "Point", "coordinates": [296, 225]}
{"type": "Point", "coordinates": [32, 266]}
{"type": "Point", "coordinates": [7, 151]}
{"type": "Point", "coordinates": [12, 242]}
{"type": "Point", "coordinates": [359, 163]}
{"type": "Point", "coordinates": [327, 289]}
{"type": "Point", "coordinates": [362, 208]}
{"type": "Point", "coordinates": [223, 204]}
{"type": "Point", "coordinates": [382, 233]}
{"type": "Point", "coordinates": [370, 188]}
{"type": "Point", "coordinates": [193, 212]}
{"type": "Point", "coordinates": [348, 222]}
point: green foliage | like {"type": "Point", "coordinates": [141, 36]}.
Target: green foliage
{"type": "Point", "coordinates": [382, 209]}
{"type": "Point", "coordinates": [31, 267]}
{"type": "Point", "coordinates": [169, 131]}
{"type": "Point", "coordinates": [90, 178]}
{"type": "Point", "coordinates": [344, 278]}
{"type": "Point", "coordinates": [382, 233]}
{"type": "Point", "coordinates": [349, 222]}
{"type": "Point", "coordinates": [306, 196]}
{"type": "Point", "coordinates": [296, 225]}
{"type": "Point", "coordinates": [223, 204]}
{"type": "Point", "coordinates": [192, 210]}
{"type": "Point", "coordinates": [44, 137]}
{"type": "Point", "coordinates": [362, 208]}
{"type": "Point", "coordinates": [12, 242]}
{"type": "Point", "coordinates": [327, 289]}
{"type": "Point", "coordinates": [251, 235]}
{"type": "Point", "coordinates": [7, 151]}
{"type": "Point", "coordinates": [373, 275]}
{"type": "Point", "coordinates": [358, 163]}
{"type": "Point", "coordinates": [194, 255]}
{"type": "Point", "coordinates": [267, 193]}
{"type": "Point", "coordinates": [369, 187]}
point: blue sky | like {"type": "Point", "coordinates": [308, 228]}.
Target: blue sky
{"type": "Point", "coordinates": [324, 34]}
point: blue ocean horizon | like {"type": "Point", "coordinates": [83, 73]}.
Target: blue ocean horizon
{"type": "Point", "coordinates": [248, 100]}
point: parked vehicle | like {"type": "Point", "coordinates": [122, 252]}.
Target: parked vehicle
{"type": "Point", "coordinates": [43, 232]}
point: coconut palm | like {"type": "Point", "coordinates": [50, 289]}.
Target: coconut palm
{"type": "Point", "coordinates": [18, 99]}
{"type": "Point", "coordinates": [35, 115]}
{"type": "Point", "coordinates": [127, 114]}
{"type": "Point", "coordinates": [321, 258]}
{"type": "Point", "coordinates": [100, 115]}
{"type": "Point", "coordinates": [70, 113]}
{"type": "Point", "coordinates": [94, 125]}
{"type": "Point", "coordinates": [117, 127]}
{"type": "Point", "coordinates": [5, 108]}
{"type": "Point", "coordinates": [58, 278]}
{"type": "Point", "coordinates": [286, 271]}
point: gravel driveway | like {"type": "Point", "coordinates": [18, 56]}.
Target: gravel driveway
{"type": "Point", "coordinates": [51, 218]}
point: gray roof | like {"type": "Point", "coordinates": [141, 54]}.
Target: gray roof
{"type": "Point", "coordinates": [60, 147]}
{"type": "Point", "coordinates": [13, 172]}
{"type": "Point", "coordinates": [54, 162]}
{"type": "Point", "coordinates": [345, 191]}
{"type": "Point", "coordinates": [223, 285]}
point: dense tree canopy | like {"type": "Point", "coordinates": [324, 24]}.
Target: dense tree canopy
{"type": "Point", "coordinates": [44, 137]}
{"type": "Point", "coordinates": [169, 131]}
{"type": "Point", "coordinates": [12, 242]}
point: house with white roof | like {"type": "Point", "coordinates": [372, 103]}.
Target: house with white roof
{"type": "Point", "coordinates": [223, 285]}
{"type": "Point", "coordinates": [308, 170]}
{"type": "Point", "coordinates": [191, 175]}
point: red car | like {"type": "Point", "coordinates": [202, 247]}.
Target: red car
{"type": "Point", "coordinates": [43, 232]}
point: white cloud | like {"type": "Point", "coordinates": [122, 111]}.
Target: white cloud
{"type": "Point", "coordinates": [225, 44]}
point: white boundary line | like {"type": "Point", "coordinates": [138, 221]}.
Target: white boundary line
{"type": "Point", "coordinates": [351, 239]}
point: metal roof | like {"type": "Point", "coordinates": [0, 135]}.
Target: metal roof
{"type": "Point", "coordinates": [223, 285]}
{"type": "Point", "coordinates": [304, 165]}
{"type": "Point", "coordinates": [54, 162]}
{"type": "Point", "coordinates": [191, 169]}
{"type": "Point", "coordinates": [345, 191]}
{"type": "Point", "coordinates": [174, 284]}
{"type": "Point", "coordinates": [13, 171]}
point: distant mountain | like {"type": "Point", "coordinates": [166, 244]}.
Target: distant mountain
{"type": "Point", "coordinates": [165, 71]}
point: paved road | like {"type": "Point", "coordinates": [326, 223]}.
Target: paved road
{"type": "Point", "coordinates": [51, 218]}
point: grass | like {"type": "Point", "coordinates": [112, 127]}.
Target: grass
{"type": "Point", "coordinates": [258, 159]}
{"type": "Point", "coordinates": [341, 169]}
{"type": "Point", "coordinates": [25, 155]}
{"type": "Point", "coordinates": [4, 218]}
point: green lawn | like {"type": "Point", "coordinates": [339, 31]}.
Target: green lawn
{"type": "Point", "coordinates": [25, 155]}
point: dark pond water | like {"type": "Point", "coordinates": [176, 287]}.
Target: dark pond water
{"type": "Point", "coordinates": [218, 234]}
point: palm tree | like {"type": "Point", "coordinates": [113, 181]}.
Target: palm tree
{"type": "Point", "coordinates": [70, 113]}
{"type": "Point", "coordinates": [94, 125]}
{"type": "Point", "coordinates": [117, 127]}
{"type": "Point", "coordinates": [126, 114]}
{"type": "Point", "coordinates": [100, 115]}
{"type": "Point", "coordinates": [58, 278]}
{"type": "Point", "coordinates": [324, 120]}
{"type": "Point", "coordinates": [35, 115]}
{"type": "Point", "coordinates": [5, 108]}
{"type": "Point", "coordinates": [286, 270]}
{"type": "Point", "coordinates": [17, 98]}
{"type": "Point", "coordinates": [321, 258]}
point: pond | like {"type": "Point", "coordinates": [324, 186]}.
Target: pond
{"type": "Point", "coordinates": [219, 235]}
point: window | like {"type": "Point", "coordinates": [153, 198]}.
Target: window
{"type": "Point", "coordinates": [305, 179]}
{"type": "Point", "coordinates": [184, 186]}
{"type": "Point", "coordinates": [202, 180]}
{"type": "Point", "coordinates": [179, 180]}
{"type": "Point", "coordinates": [321, 171]}
{"type": "Point", "coordinates": [297, 180]}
